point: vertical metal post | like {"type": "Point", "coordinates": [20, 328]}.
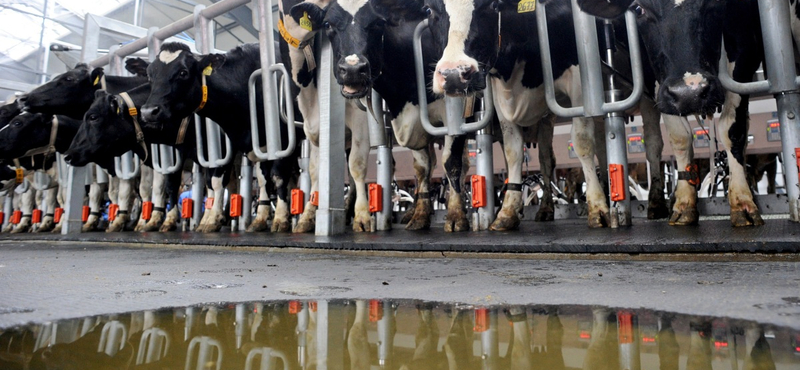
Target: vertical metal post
{"type": "Point", "coordinates": [386, 329]}
{"type": "Point", "coordinates": [616, 147]}
{"type": "Point", "coordinates": [305, 162]}
{"type": "Point", "coordinates": [246, 191]}
{"type": "Point", "coordinates": [331, 212]}
{"type": "Point", "coordinates": [490, 349]}
{"type": "Point", "coordinates": [378, 140]}
{"type": "Point", "coordinates": [266, 42]}
{"type": "Point", "coordinates": [330, 336]}
{"type": "Point", "coordinates": [198, 194]}
{"type": "Point", "coordinates": [485, 167]}
{"type": "Point", "coordinates": [8, 207]}
{"type": "Point", "coordinates": [241, 324]}
{"type": "Point", "coordinates": [628, 335]}
{"type": "Point", "coordinates": [302, 327]}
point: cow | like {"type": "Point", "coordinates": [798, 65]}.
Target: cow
{"type": "Point", "coordinates": [686, 66]}
{"type": "Point", "coordinates": [473, 40]}
{"type": "Point", "coordinates": [29, 136]}
{"type": "Point", "coordinates": [372, 46]}
{"type": "Point", "coordinates": [176, 79]}
{"type": "Point", "coordinates": [297, 39]}
{"type": "Point", "coordinates": [70, 94]}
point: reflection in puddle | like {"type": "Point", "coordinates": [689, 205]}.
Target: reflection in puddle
{"type": "Point", "coordinates": [407, 335]}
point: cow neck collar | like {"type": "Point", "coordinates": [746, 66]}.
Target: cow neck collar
{"type": "Point", "coordinates": [48, 149]}
{"type": "Point", "coordinates": [306, 46]}
{"type": "Point", "coordinates": [136, 127]}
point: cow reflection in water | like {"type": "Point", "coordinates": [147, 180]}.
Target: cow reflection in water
{"type": "Point", "coordinates": [426, 340]}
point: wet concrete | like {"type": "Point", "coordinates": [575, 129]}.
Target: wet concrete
{"type": "Point", "coordinates": [47, 280]}
{"type": "Point", "coordinates": [563, 236]}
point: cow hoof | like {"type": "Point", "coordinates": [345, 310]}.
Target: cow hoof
{"type": "Point", "coordinates": [90, 226]}
{"type": "Point", "coordinates": [657, 211]}
{"type": "Point", "coordinates": [686, 217]}
{"type": "Point", "coordinates": [545, 214]}
{"type": "Point", "coordinates": [47, 225]}
{"type": "Point", "coordinates": [456, 224]}
{"type": "Point", "coordinates": [257, 225]}
{"type": "Point", "coordinates": [118, 224]}
{"type": "Point", "coordinates": [57, 229]}
{"type": "Point", "coordinates": [505, 221]}
{"type": "Point", "coordinates": [21, 228]}
{"type": "Point", "coordinates": [167, 226]}
{"type": "Point", "coordinates": [210, 228]}
{"type": "Point", "coordinates": [281, 226]}
{"type": "Point", "coordinates": [140, 225]}
{"type": "Point", "coordinates": [598, 220]}
{"type": "Point", "coordinates": [409, 214]}
{"type": "Point", "coordinates": [306, 222]}
{"type": "Point", "coordinates": [8, 228]}
{"type": "Point", "coordinates": [361, 225]}
{"type": "Point", "coordinates": [422, 215]}
{"type": "Point", "coordinates": [744, 218]}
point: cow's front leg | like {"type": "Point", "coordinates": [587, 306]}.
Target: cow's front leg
{"type": "Point", "coordinates": [583, 141]}
{"type": "Point", "coordinates": [547, 162]}
{"type": "Point", "coordinates": [48, 221]}
{"type": "Point", "coordinates": [684, 211]}
{"type": "Point", "coordinates": [357, 161]}
{"type": "Point", "coordinates": [280, 176]}
{"type": "Point", "coordinates": [214, 217]}
{"type": "Point", "coordinates": [733, 126]}
{"type": "Point", "coordinates": [146, 182]}
{"type": "Point", "coordinates": [173, 186]}
{"type": "Point", "coordinates": [263, 210]}
{"type": "Point", "coordinates": [159, 203]}
{"type": "Point", "coordinates": [125, 200]}
{"type": "Point", "coordinates": [508, 217]}
{"type": "Point", "coordinates": [654, 145]}
{"type": "Point", "coordinates": [454, 161]}
{"type": "Point", "coordinates": [27, 204]}
{"type": "Point", "coordinates": [421, 220]}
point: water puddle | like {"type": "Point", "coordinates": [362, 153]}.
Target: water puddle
{"type": "Point", "coordinates": [399, 334]}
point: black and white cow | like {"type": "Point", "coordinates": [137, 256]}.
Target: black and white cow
{"type": "Point", "coordinates": [70, 94]}
{"type": "Point", "coordinates": [297, 38]}
{"type": "Point", "coordinates": [682, 39]}
{"type": "Point", "coordinates": [372, 46]}
{"type": "Point", "coordinates": [477, 37]}
{"type": "Point", "coordinates": [176, 92]}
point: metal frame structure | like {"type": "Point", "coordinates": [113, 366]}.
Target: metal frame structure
{"type": "Point", "coordinates": [783, 83]}
{"type": "Point", "coordinates": [594, 103]}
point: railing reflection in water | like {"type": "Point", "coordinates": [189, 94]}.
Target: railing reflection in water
{"type": "Point", "coordinates": [399, 334]}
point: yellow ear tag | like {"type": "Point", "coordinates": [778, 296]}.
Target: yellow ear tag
{"type": "Point", "coordinates": [207, 71]}
{"type": "Point", "coordinates": [96, 81]}
{"type": "Point", "coordinates": [20, 176]}
{"type": "Point", "coordinates": [305, 22]}
{"type": "Point", "coordinates": [526, 6]}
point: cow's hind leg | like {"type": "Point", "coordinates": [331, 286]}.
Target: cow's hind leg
{"type": "Point", "coordinates": [421, 220]}
{"type": "Point", "coordinates": [125, 199]}
{"type": "Point", "coordinates": [27, 203]}
{"type": "Point", "coordinates": [584, 143]}
{"type": "Point", "coordinates": [48, 221]}
{"type": "Point", "coordinates": [159, 203]}
{"type": "Point", "coordinates": [147, 181]}
{"type": "Point", "coordinates": [96, 191]}
{"type": "Point", "coordinates": [733, 126]}
{"type": "Point", "coordinates": [654, 145]}
{"type": "Point", "coordinates": [215, 217]}
{"type": "Point", "coordinates": [263, 210]}
{"type": "Point", "coordinates": [684, 211]}
{"type": "Point", "coordinates": [547, 162]}
{"type": "Point", "coordinates": [281, 172]}
{"type": "Point", "coordinates": [173, 191]}
{"type": "Point", "coordinates": [454, 161]}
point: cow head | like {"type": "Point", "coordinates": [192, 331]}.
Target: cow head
{"type": "Point", "coordinates": [176, 82]}
{"type": "Point", "coordinates": [104, 132]}
{"type": "Point", "coordinates": [685, 61]}
{"type": "Point", "coordinates": [69, 93]}
{"type": "Point", "coordinates": [356, 30]}
{"type": "Point", "coordinates": [24, 132]}
{"type": "Point", "coordinates": [465, 32]}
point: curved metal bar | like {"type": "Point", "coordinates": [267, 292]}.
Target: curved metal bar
{"type": "Point", "coordinates": [271, 153]}
{"type": "Point", "coordinates": [549, 84]}
{"type": "Point", "coordinates": [168, 154]}
{"type": "Point", "coordinates": [724, 76]}
{"type": "Point", "coordinates": [421, 87]}
{"type": "Point", "coordinates": [636, 68]}
{"type": "Point", "coordinates": [126, 166]}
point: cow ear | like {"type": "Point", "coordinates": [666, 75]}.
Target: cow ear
{"type": "Point", "coordinates": [316, 15]}
{"type": "Point", "coordinates": [137, 66]}
{"type": "Point", "coordinates": [96, 75]}
{"type": "Point", "coordinates": [605, 8]}
{"type": "Point", "coordinates": [214, 61]}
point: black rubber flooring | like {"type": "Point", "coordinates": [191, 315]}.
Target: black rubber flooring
{"type": "Point", "coordinates": [563, 236]}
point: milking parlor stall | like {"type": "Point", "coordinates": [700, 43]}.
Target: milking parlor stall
{"type": "Point", "coordinates": [333, 184]}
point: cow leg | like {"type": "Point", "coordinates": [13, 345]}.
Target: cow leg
{"type": "Point", "coordinates": [601, 153]}
{"type": "Point", "coordinates": [49, 201]}
{"type": "Point", "coordinates": [684, 211]}
{"type": "Point", "coordinates": [421, 220]}
{"type": "Point", "coordinates": [308, 219]}
{"type": "Point", "coordinates": [124, 199]}
{"type": "Point", "coordinates": [771, 171]}
{"type": "Point", "coordinates": [453, 161]}
{"type": "Point", "coordinates": [159, 203]}
{"type": "Point", "coordinates": [654, 145]}
{"type": "Point", "coordinates": [508, 217]}
{"type": "Point", "coordinates": [547, 162]}
{"type": "Point", "coordinates": [214, 218]}
{"type": "Point", "coordinates": [263, 209]}
{"type": "Point", "coordinates": [173, 188]}
{"type": "Point", "coordinates": [61, 197]}
{"type": "Point", "coordinates": [96, 191]}
{"type": "Point", "coordinates": [584, 143]}
{"type": "Point", "coordinates": [357, 163]}
{"type": "Point", "coordinates": [27, 203]}
{"type": "Point", "coordinates": [147, 181]}
{"type": "Point", "coordinates": [281, 173]}
{"type": "Point", "coordinates": [733, 126]}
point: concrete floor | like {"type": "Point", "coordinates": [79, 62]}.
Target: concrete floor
{"type": "Point", "coordinates": [50, 280]}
